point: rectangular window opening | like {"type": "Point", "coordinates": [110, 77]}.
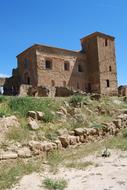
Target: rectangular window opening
{"type": "Point", "coordinates": [106, 42]}
{"type": "Point", "coordinates": [108, 83]}
{"type": "Point", "coordinates": [110, 68]}
{"type": "Point", "coordinates": [48, 64]}
{"type": "Point", "coordinates": [80, 68]}
{"type": "Point", "coordinates": [66, 66]}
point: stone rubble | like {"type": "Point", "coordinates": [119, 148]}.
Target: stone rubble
{"type": "Point", "coordinates": [66, 139]}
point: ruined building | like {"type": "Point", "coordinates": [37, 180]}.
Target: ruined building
{"type": "Point", "coordinates": [92, 69]}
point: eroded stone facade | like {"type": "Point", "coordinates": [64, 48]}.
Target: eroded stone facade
{"type": "Point", "coordinates": [92, 69]}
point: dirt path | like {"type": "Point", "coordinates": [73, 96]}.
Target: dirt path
{"type": "Point", "coordinates": [109, 174]}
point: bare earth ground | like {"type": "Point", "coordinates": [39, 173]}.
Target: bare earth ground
{"type": "Point", "coordinates": [107, 174]}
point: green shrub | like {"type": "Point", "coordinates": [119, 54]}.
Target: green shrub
{"type": "Point", "coordinates": [22, 105]}
{"type": "Point", "coordinates": [76, 100]}
{"type": "Point", "coordinates": [55, 184]}
{"type": "Point", "coordinates": [48, 117]}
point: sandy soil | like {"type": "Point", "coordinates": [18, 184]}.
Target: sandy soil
{"type": "Point", "coordinates": [109, 174]}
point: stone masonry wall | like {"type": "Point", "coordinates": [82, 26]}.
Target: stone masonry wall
{"type": "Point", "coordinates": [70, 78]}
{"type": "Point", "coordinates": [107, 66]}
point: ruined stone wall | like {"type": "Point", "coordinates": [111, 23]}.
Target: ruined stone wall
{"type": "Point", "coordinates": [57, 75]}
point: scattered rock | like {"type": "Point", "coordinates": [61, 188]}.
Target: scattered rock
{"type": "Point", "coordinates": [72, 140]}
{"type": "Point", "coordinates": [44, 146]}
{"type": "Point", "coordinates": [71, 133]}
{"type": "Point", "coordinates": [40, 115]}
{"type": "Point", "coordinates": [24, 152]}
{"type": "Point", "coordinates": [63, 109]}
{"type": "Point", "coordinates": [8, 155]}
{"type": "Point", "coordinates": [58, 143]}
{"type": "Point", "coordinates": [62, 132]}
{"type": "Point", "coordinates": [64, 140]}
{"type": "Point", "coordinates": [33, 125]}
{"type": "Point", "coordinates": [32, 114]}
{"type": "Point", "coordinates": [79, 131]}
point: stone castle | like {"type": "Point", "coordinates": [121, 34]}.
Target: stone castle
{"type": "Point", "coordinates": [91, 70]}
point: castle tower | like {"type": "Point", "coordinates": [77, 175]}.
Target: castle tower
{"type": "Point", "coordinates": [101, 62]}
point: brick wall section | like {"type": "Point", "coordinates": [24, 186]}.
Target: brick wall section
{"type": "Point", "coordinates": [72, 77]}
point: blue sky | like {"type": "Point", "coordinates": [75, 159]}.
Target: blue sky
{"type": "Point", "coordinates": [60, 23]}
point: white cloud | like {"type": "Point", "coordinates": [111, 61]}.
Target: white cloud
{"type": "Point", "coordinates": [4, 75]}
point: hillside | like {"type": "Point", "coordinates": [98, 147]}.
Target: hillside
{"type": "Point", "coordinates": [45, 135]}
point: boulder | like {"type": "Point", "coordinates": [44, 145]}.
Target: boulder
{"type": "Point", "coordinates": [61, 116]}
{"type": "Point", "coordinates": [33, 125]}
{"type": "Point", "coordinates": [82, 139]}
{"type": "Point", "coordinates": [10, 121]}
{"type": "Point", "coordinates": [32, 114]}
{"type": "Point", "coordinates": [58, 143]}
{"type": "Point", "coordinates": [63, 109]}
{"type": "Point", "coordinates": [71, 133]}
{"type": "Point", "coordinates": [64, 140]}
{"type": "Point", "coordinates": [62, 132]}
{"type": "Point", "coordinates": [40, 115]}
{"type": "Point", "coordinates": [44, 146]}
{"type": "Point", "coordinates": [79, 131]}
{"type": "Point", "coordinates": [48, 146]}
{"type": "Point", "coordinates": [72, 140]}
{"type": "Point", "coordinates": [24, 152]}
{"type": "Point", "coordinates": [91, 131]}
{"type": "Point", "coordinates": [35, 145]}
{"type": "Point", "coordinates": [8, 155]}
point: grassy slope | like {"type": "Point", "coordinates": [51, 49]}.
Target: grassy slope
{"type": "Point", "coordinates": [11, 172]}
